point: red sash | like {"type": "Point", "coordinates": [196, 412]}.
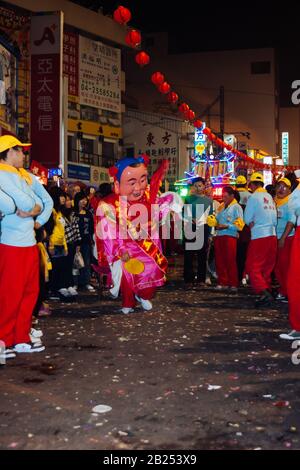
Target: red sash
{"type": "Point", "coordinates": [149, 248]}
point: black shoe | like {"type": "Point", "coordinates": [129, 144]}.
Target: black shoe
{"type": "Point", "coordinates": [188, 284]}
{"type": "Point", "coordinates": [265, 300]}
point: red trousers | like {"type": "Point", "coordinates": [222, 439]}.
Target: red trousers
{"type": "Point", "coordinates": [19, 289]}
{"type": "Point", "coordinates": [261, 260]}
{"type": "Point", "coordinates": [282, 264]}
{"type": "Point", "coordinates": [225, 255]}
{"type": "Point", "coordinates": [293, 283]}
{"type": "Point", "coordinates": [128, 295]}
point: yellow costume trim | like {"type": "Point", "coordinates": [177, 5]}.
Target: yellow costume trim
{"type": "Point", "coordinates": [20, 172]}
{"type": "Point", "coordinates": [239, 223]}
{"type": "Point", "coordinates": [134, 266]}
{"type": "Point", "coordinates": [222, 206]}
{"type": "Point", "coordinates": [282, 202]}
{"type": "Point", "coordinates": [261, 190]}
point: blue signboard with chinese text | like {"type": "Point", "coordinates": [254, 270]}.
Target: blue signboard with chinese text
{"type": "Point", "coordinates": [79, 172]}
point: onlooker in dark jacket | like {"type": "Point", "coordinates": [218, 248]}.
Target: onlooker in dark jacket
{"type": "Point", "coordinates": [58, 248]}
{"type": "Point", "coordinates": [86, 227]}
{"type": "Point", "coordinates": [73, 239]}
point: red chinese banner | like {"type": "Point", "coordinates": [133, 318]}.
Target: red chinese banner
{"type": "Point", "coordinates": [40, 171]}
{"type": "Point", "coordinates": [46, 96]}
{"type": "Point", "coordinates": [70, 61]}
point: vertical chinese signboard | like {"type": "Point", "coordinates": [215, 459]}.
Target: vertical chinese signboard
{"type": "Point", "coordinates": [70, 61]}
{"type": "Point", "coordinates": [99, 75]}
{"type": "Point", "coordinates": [285, 147]}
{"type": "Point", "coordinates": [46, 88]}
{"type": "Point", "coordinates": [200, 141]}
{"type": "Point", "coordinates": [158, 143]}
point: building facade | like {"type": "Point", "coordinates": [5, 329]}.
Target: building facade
{"type": "Point", "coordinates": [61, 84]}
{"type": "Point", "coordinates": [234, 92]}
{"type": "Point", "coordinates": [160, 137]}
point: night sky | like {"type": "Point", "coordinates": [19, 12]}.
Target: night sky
{"type": "Point", "coordinates": [202, 25]}
{"type": "Point", "coordinates": [210, 25]}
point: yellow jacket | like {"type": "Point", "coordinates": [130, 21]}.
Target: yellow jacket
{"type": "Point", "coordinates": [45, 262]}
{"type": "Point", "coordinates": [57, 238]}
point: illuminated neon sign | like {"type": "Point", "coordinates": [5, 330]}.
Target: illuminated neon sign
{"type": "Point", "coordinates": [285, 147]}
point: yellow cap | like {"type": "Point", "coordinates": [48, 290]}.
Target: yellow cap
{"type": "Point", "coordinates": [286, 181]}
{"type": "Point", "coordinates": [256, 177]}
{"type": "Point", "coordinates": [9, 141]}
{"type": "Point", "coordinates": [241, 180]}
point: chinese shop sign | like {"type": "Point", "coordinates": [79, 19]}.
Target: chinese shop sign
{"type": "Point", "coordinates": [285, 147]}
{"type": "Point", "coordinates": [156, 142]}
{"type": "Point", "coordinates": [46, 82]}
{"type": "Point", "coordinates": [70, 61]}
{"type": "Point", "coordinates": [99, 75]}
{"type": "Point", "coordinates": [200, 141]}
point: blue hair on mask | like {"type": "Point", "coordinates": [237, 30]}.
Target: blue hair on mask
{"type": "Point", "coordinates": [125, 162]}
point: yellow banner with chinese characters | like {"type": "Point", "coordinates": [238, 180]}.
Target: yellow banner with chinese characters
{"type": "Point", "coordinates": [93, 128]}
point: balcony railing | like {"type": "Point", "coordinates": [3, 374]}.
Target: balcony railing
{"type": "Point", "coordinates": [78, 156]}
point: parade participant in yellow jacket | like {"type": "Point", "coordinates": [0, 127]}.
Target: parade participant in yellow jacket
{"type": "Point", "coordinates": [286, 219]}
{"type": "Point", "coordinates": [261, 216]}
{"type": "Point", "coordinates": [19, 260]}
{"type": "Point", "coordinates": [229, 222]}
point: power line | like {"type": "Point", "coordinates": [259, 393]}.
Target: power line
{"type": "Point", "coordinates": [227, 90]}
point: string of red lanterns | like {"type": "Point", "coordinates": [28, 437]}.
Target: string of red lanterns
{"type": "Point", "coordinates": [172, 97]}
{"type": "Point", "coordinates": [142, 59]}
{"type": "Point", "coordinates": [122, 15]}
{"type": "Point", "coordinates": [157, 78]}
{"type": "Point", "coordinates": [133, 38]}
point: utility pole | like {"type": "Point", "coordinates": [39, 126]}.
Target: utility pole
{"type": "Point", "coordinates": [222, 112]}
{"type": "Point", "coordinates": [207, 114]}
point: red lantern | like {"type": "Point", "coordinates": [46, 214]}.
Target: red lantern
{"type": "Point", "coordinates": [207, 131]}
{"type": "Point", "coordinates": [190, 115]}
{"type": "Point", "coordinates": [142, 58]}
{"type": "Point", "coordinates": [157, 78]}
{"type": "Point", "coordinates": [198, 124]}
{"type": "Point", "coordinates": [122, 15]}
{"type": "Point", "coordinates": [133, 38]}
{"type": "Point", "coordinates": [172, 97]}
{"type": "Point", "coordinates": [183, 108]}
{"type": "Point", "coordinates": [164, 88]}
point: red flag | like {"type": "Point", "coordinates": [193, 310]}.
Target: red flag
{"type": "Point", "coordinates": [40, 171]}
{"type": "Point", "coordinates": [207, 175]}
{"type": "Point", "coordinates": [157, 179]}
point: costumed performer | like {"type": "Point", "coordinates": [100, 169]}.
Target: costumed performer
{"type": "Point", "coordinates": [127, 231]}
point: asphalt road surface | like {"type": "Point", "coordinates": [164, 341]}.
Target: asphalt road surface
{"type": "Point", "coordinates": [203, 370]}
